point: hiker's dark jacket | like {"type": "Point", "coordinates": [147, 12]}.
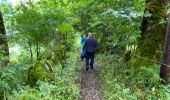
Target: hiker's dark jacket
{"type": "Point", "coordinates": [90, 45]}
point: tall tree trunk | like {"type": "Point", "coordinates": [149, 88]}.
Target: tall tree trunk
{"type": "Point", "coordinates": [152, 30]}
{"type": "Point", "coordinates": [30, 50]}
{"type": "Point", "coordinates": [166, 59]}
{"type": "Point", "coordinates": [38, 51]}
{"type": "Point", "coordinates": [4, 50]}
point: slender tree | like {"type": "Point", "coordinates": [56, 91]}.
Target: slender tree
{"type": "Point", "coordinates": [4, 50]}
{"type": "Point", "coordinates": [166, 59]}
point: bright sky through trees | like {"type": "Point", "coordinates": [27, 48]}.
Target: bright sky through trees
{"type": "Point", "coordinates": [15, 2]}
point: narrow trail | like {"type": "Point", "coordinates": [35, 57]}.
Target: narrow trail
{"type": "Point", "coordinates": [90, 85]}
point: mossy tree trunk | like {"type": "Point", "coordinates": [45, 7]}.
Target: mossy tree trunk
{"type": "Point", "coordinates": [152, 30]}
{"type": "Point", "coordinates": [4, 50]}
{"type": "Point", "coordinates": [31, 51]}
{"type": "Point", "coordinates": [166, 59]}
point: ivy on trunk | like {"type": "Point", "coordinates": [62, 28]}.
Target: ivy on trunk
{"type": "Point", "coordinates": [153, 29]}
{"type": "Point", "coordinates": [4, 50]}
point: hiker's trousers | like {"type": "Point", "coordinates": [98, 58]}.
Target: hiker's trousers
{"type": "Point", "coordinates": [89, 59]}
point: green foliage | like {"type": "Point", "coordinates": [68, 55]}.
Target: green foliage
{"type": "Point", "coordinates": [41, 70]}
{"type": "Point", "coordinates": [12, 77]}
{"type": "Point", "coordinates": [62, 87]}
{"type": "Point", "coordinates": [39, 27]}
{"type": "Point", "coordinates": [114, 23]}
{"type": "Point", "coordinates": [4, 7]}
{"type": "Point", "coordinates": [45, 30]}
{"type": "Point", "coordinates": [153, 29]}
{"type": "Point", "coordinates": [128, 81]}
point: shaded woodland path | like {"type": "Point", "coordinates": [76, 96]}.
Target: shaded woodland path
{"type": "Point", "coordinates": [90, 85]}
{"type": "Point", "coordinates": [89, 82]}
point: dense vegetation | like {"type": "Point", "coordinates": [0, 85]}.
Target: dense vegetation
{"type": "Point", "coordinates": [39, 49]}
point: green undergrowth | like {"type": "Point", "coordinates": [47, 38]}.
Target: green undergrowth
{"type": "Point", "coordinates": [64, 87]}
{"type": "Point", "coordinates": [121, 81]}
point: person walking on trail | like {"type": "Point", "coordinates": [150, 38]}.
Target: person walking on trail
{"type": "Point", "coordinates": [82, 40]}
{"type": "Point", "coordinates": [90, 45]}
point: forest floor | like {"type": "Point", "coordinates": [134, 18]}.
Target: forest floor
{"type": "Point", "coordinates": [90, 84]}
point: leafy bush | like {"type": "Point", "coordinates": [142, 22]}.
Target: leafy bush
{"type": "Point", "coordinates": [123, 81]}
{"type": "Point", "coordinates": [12, 77]}
{"type": "Point", "coordinates": [40, 70]}
{"type": "Point", "coordinates": [64, 86]}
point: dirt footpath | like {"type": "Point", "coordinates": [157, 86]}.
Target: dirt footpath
{"type": "Point", "coordinates": [90, 85]}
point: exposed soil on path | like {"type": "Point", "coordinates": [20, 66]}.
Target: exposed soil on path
{"type": "Point", "coordinates": [90, 85]}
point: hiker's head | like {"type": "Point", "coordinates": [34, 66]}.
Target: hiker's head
{"type": "Point", "coordinates": [90, 35]}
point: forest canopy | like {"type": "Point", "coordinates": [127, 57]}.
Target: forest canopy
{"type": "Point", "coordinates": [40, 49]}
